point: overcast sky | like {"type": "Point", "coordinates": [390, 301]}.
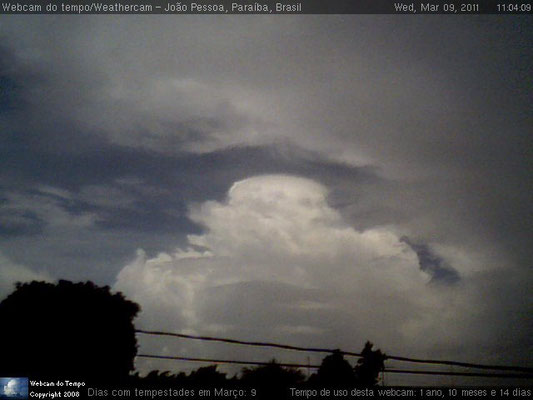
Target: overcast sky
{"type": "Point", "coordinates": [312, 180]}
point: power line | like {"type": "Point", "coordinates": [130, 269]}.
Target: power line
{"type": "Point", "coordinates": [290, 365]}
{"type": "Point", "coordinates": [462, 364]}
{"type": "Point", "coordinates": [474, 374]}
{"type": "Point", "coordinates": [324, 350]}
{"type": "Point", "coordinates": [246, 343]}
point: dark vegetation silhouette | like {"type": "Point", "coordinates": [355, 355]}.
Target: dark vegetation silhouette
{"type": "Point", "coordinates": [203, 377]}
{"type": "Point", "coordinates": [369, 366]}
{"type": "Point", "coordinates": [334, 371]}
{"type": "Point", "coordinates": [71, 330]}
{"type": "Point", "coordinates": [82, 331]}
{"type": "Point", "coordinates": [271, 381]}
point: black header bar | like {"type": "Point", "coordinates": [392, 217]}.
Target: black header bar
{"type": "Point", "coordinates": [451, 7]}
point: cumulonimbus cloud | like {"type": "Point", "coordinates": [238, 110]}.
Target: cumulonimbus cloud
{"type": "Point", "coordinates": [276, 262]}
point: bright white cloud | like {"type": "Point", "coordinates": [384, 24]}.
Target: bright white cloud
{"type": "Point", "coordinates": [10, 388]}
{"type": "Point", "coordinates": [276, 262]}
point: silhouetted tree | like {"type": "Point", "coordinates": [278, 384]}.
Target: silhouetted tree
{"type": "Point", "coordinates": [369, 366]}
{"type": "Point", "coordinates": [272, 381]}
{"type": "Point", "coordinates": [207, 376]}
{"type": "Point", "coordinates": [204, 377]}
{"type": "Point", "coordinates": [71, 330]}
{"type": "Point", "coordinates": [334, 371]}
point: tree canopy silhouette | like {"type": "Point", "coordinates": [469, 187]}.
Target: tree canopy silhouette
{"type": "Point", "coordinates": [271, 380]}
{"type": "Point", "coordinates": [67, 330]}
{"type": "Point", "coordinates": [334, 370]}
{"type": "Point", "coordinates": [369, 366]}
{"type": "Point", "coordinates": [203, 377]}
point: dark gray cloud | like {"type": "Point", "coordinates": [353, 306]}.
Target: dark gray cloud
{"type": "Point", "coordinates": [432, 263]}
{"type": "Point", "coordinates": [136, 198]}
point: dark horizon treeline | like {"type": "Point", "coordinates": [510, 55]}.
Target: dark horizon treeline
{"type": "Point", "coordinates": [334, 370]}
{"type": "Point", "coordinates": [82, 331]}
{"type": "Point", "coordinates": [273, 381]}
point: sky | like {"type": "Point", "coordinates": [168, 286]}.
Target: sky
{"type": "Point", "coordinates": [310, 180]}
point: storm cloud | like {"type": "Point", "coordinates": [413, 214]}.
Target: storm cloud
{"type": "Point", "coordinates": [199, 160]}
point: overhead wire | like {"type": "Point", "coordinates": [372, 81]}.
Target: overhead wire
{"type": "Point", "coordinates": [294, 365]}
{"type": "Point", "coordinates": [327, 350]}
